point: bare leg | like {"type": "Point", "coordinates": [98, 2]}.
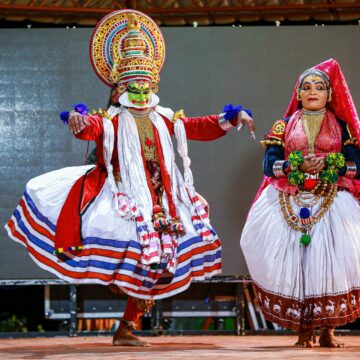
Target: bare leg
{"type": "Point", "coordinates": [328, 339]}
{"type": "Point", "coordinates": [134, 310]}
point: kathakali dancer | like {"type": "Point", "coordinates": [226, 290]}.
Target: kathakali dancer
{"type": "Point", "coordinates": [132, 221]}
{"type": "Point", "coordinates": [301, 240]}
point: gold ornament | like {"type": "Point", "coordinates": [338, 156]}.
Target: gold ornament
{"type": "Point", "coordinates": [121, 88]}
{"type": "Point", "coordinates": [146, 136]}
{"type": "Point", "coordinates": [279, 127]}
{"type": "Point", "coordinates": [178, 115]}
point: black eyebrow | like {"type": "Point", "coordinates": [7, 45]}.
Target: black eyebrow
{"type": "Point", "coordinates": [317, 82]}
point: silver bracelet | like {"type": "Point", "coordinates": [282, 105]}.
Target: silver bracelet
{"type": "Point", "coordinates": [224, 124]}
{"type": "Point", "coordinates": [351, 169]}
{"type": "Point", "coordinates": [278, 168]}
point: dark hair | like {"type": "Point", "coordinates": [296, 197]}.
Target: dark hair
{"type": "Point", "coordinates": [110, 102]}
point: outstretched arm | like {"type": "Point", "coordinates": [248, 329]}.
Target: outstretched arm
{"type": "Point", "coordinates": [85, 127]}
{"type": "Point", "coordinates": [214, 126]}
{"type": "Point", "coordinates": [204, 128]}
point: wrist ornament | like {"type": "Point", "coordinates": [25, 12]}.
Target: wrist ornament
{"type": "Point", "coordinates": [334, 162]}
{"type": "Point", "coordinates": [80, 108]}
{"type": "Point", "coordinates": [279, 168]}
{"type": "Point", "coordinates": [351, 169]}
{"type": "Point", "coordinates": [230, 112]}
{"type": "Point", "coordinates": [295, 176]}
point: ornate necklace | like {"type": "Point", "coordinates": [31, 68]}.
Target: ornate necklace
{"type": "Point", "coordinates": [304, 221]}
{"type": "Point", "coordinates": [146, 136]}
{"type": "Point", "coordinates": [312, 121]}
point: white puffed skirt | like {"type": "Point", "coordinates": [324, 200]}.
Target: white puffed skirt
{"type": "Point", "coordinates": [305, 287]}
{"type": "Point", "coordinates": [112, 252]}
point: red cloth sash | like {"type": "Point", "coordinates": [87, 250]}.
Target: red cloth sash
{"type": "Point", "coordinates": [68, 228]}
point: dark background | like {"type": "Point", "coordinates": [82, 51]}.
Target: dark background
{"type": "Point", "coordinates": [45, 71]}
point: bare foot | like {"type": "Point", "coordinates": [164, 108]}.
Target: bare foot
{"type": "Point", "coordinates": [124, 337]}
{"type": "Point", "coordinates": [305, 340]}
{"type": "Point", "coordinates": [328, 339]}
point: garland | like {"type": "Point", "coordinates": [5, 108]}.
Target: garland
{"type": "Point", "coordinates": [325, 188]}
{"type": "Point", "coordinates": [334, 162]}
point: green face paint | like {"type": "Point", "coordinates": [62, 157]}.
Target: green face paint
{"type": "Point", "coordinates": [139, 94]}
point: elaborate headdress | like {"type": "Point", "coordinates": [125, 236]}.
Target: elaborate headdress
{"type": "Point", "coordinates": [341, 103]}
{"type": "Point", "coordinates": [126, 46]}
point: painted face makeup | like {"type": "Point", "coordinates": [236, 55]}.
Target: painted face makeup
{"type": "Point", "coordinates": [313, 93]}
{"type": "Point", "coordinates": [139, 93]}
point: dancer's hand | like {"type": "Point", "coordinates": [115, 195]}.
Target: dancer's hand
{"type": "Point", "coordinates": [312, 164]}
{"type": "Point", "coordinates": [77, 122]}
{"type": "Point", "coordinates": [243, 119]}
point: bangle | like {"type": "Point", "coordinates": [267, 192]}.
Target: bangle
{"type": "Point", "coordinates": [351, 169]}
{"type": "Point", "coordinates": [278, 168]}
{"type": "Point", "coordinates": [224, 123]}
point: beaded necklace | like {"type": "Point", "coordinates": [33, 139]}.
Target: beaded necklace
{"type": "Point", "coordinates": [305, 199]}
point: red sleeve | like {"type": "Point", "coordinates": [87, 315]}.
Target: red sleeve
{"type": "Point", "coordinates": [93, 130]}
{"type": "Point", "coordinates": [203, 128]}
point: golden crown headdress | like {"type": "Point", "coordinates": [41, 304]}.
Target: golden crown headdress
{"type": "Point", "coordinates": [127, 45]}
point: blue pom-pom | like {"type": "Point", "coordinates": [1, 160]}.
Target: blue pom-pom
{"type": "Point", "coordinates": [64, 116]}
{"type": "Point", "coordinates": [304, 213]}
{"type": "Point", "coordinates": [81, 108]}
{"type": "Point", "coordinates": [248, 111]}
{"type": "Point", "coordinates": [231, 111]}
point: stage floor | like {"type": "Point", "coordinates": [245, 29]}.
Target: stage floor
{"type": "Point", "coordinates": [174, 348]}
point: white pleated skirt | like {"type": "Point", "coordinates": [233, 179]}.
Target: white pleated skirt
{"type": "Point", "coordinates": [313, 286]}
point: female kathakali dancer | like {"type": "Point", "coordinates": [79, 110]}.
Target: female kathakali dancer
{"type": "Point", "coordinates": [133, 221]}
{"type": "Point", "coordinates": [302, 237]}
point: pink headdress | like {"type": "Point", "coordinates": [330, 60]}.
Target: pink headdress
{"type": "Point", "coordinates": [341, 103]}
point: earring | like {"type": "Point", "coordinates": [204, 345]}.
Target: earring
{"type": "Point", "coordinates": [298, 96]}
{"type": "Point", "coordinates": [121, 88]}
{"type": "Point", "coordinates": [154, 88]}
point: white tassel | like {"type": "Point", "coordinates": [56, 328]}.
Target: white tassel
{"type": "Point", "coordinates": [108, 147]}
{"type": "Point", "coordinates": [182, 148]}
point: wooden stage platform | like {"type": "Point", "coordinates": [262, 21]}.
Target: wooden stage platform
{"type": "Point", "coordinates": [174, 348]}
